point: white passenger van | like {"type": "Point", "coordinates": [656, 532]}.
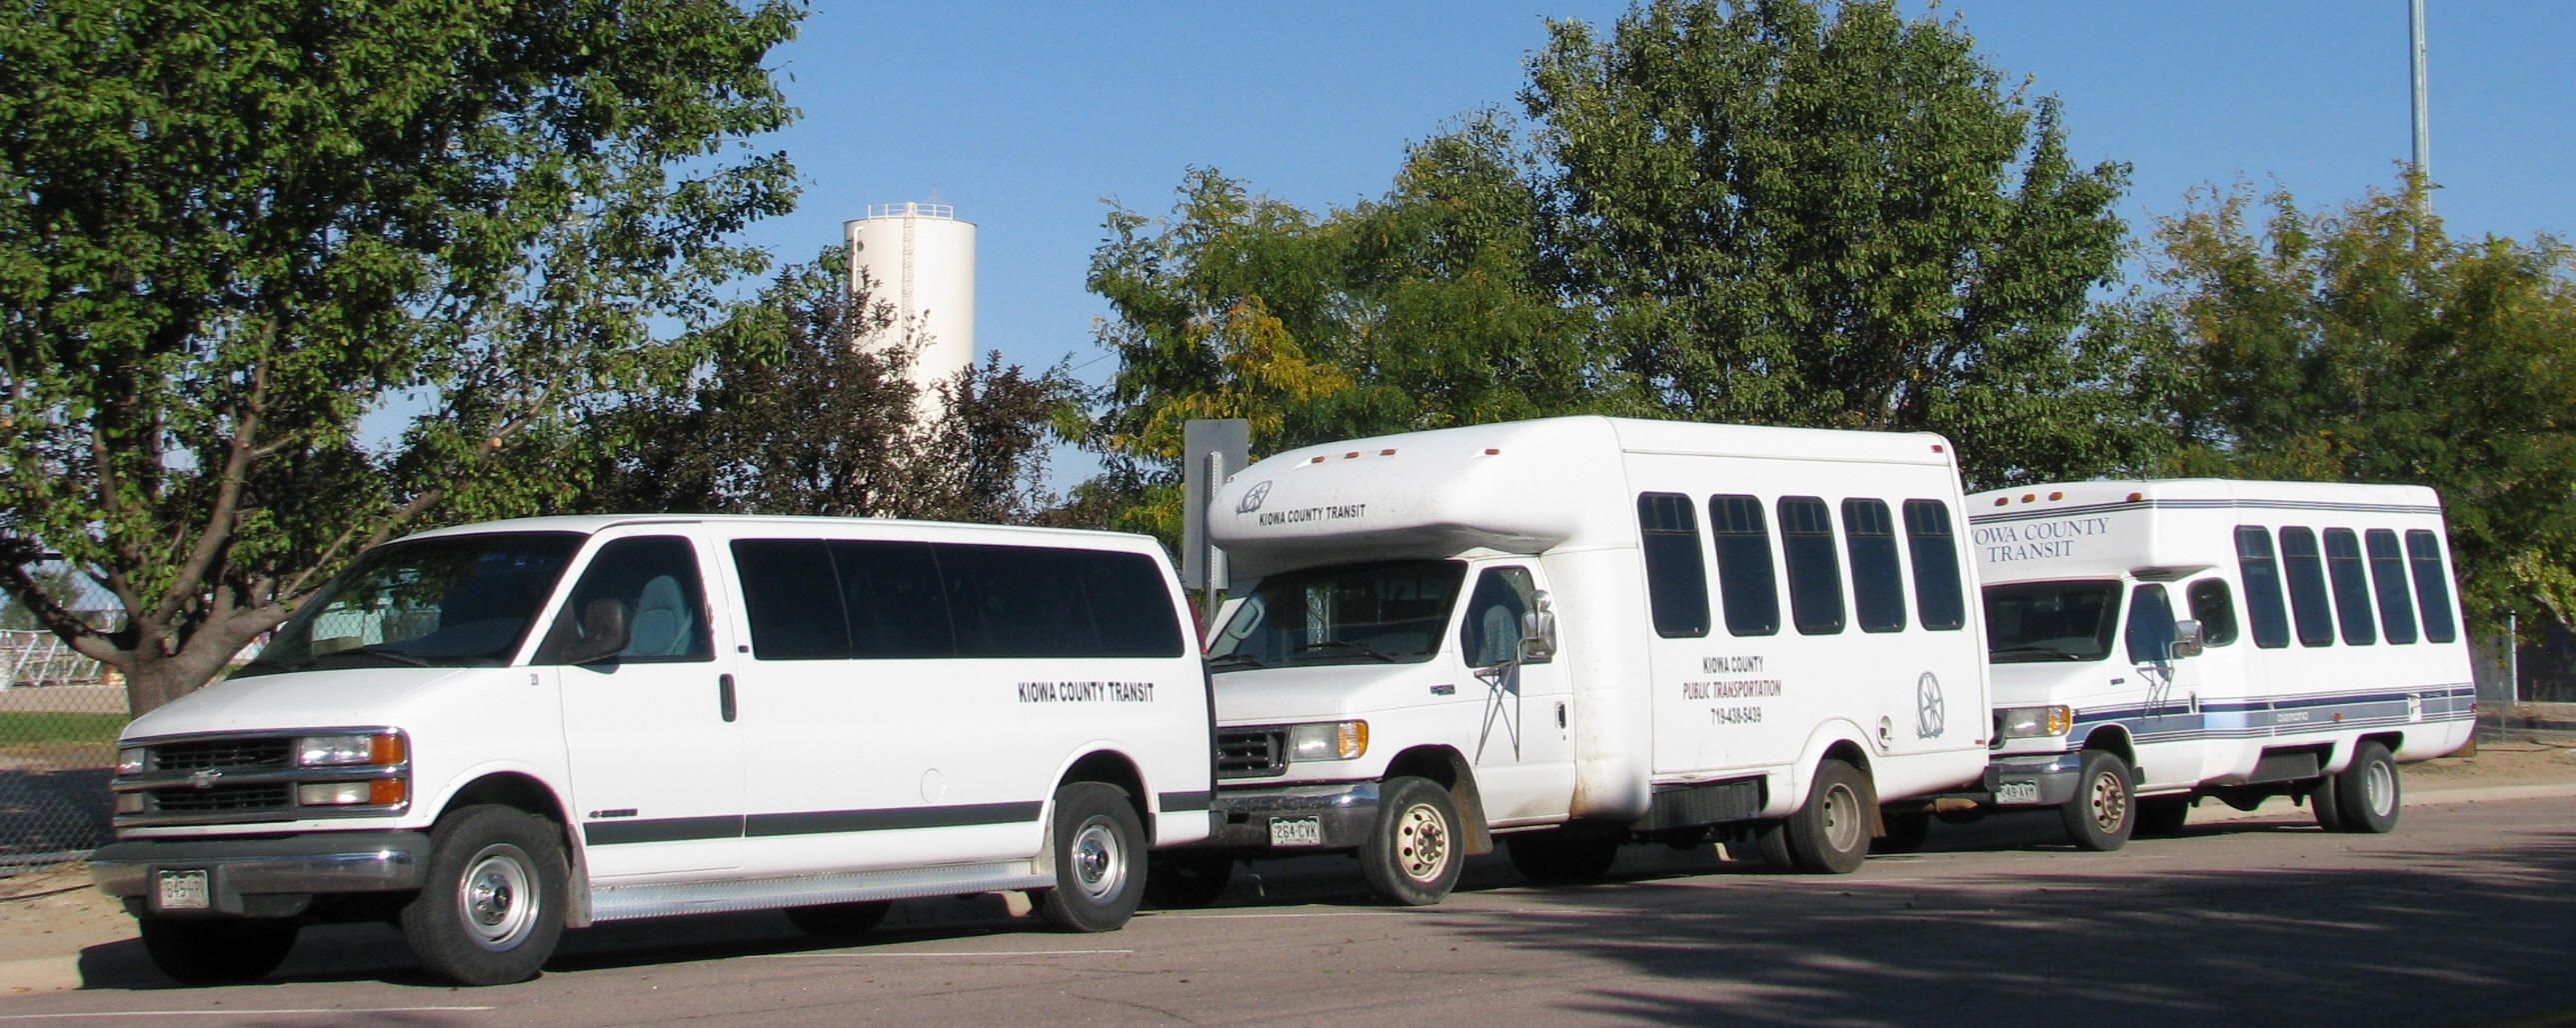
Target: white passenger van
{"type": "Point", "coordinates": [493, 732]}
{"type": "Point", "coordinates": [1583, 631]}
{"type": "Point", "coordinates": [2155, 643]}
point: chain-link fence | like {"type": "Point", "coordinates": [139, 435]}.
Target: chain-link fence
{"type": "Point", "coordinates": [59, 715]}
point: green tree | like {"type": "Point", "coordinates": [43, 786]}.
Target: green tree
{"type": "Point", "coordinates": [1421, 309]}
{"type": "Point", "coordinates": [808, 407]}
{"type": "Point", "coordinates": [2365, 345]}
{"type": "Point", "coordinates": [1844, 219]}
{"type": "Point", "coordinates": [236, 229]}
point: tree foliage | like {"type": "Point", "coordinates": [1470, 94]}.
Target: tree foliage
{"type": "Point", "coordinates": [808, 407]}
{"type": "Point", "coordinates": [2365, 345]}
{"type": "Point", "coordinates": [1828, 215]}
{"type": "Point", "coordinates": [236, 229]}
{"type": "Point", "coordinates": [1421, 309]}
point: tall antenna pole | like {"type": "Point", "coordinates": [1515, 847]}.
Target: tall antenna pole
{"type": "Point", "coordinates": [2423, 120]}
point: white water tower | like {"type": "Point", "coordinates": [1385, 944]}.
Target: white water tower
{"type": "Point", "coordinates": [922, 260]}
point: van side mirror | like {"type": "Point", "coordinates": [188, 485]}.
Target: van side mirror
{"type": "Point", "coordinates": [1538, 628]}
{"type": "Point", "coordinates": [604, 633]}
{"type": "Point", "coordinates": [2187, 639]}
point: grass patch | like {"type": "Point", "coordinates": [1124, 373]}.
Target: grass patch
{"type": "Point", "coordinates": [33, 728]}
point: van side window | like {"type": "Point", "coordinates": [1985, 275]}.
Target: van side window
{"type": "Point", "coordinates": [2262, 574]}
{"type": "Point", "coordinates": [811, 599]}
{"type": "Point", "coordinates": [2388, 577]}
{"type": "Point", "coordinates": [2216, 612]}
{"type": "Point", "coordinates": [656, 579]}
{"type": "Point", "coordinates": [1815, 573]}
{"type": "Point", "coordinates": [1746, 585]}
{"type": "Point", "coordinates": [2351, 587]}
{"type": "Point", "coordinates": [1940, 599]}
{"type": "Point", "coordinates": [893, 599]}
{"type": "Point", "coordinates": [2432, 584]}
{"type": "Point", "coordinates": [1676, 574]}
{"type": "Point", "coordinates": [1029, 601]}
{"type": "Point", "coordinates": [2150, 631]}
{"type": "Point", "coordinates": [792, 599]}
{"type": "Point", "coordinates": [1878, 588]}
{"type": "Point", "coordinates": [2307, 576]}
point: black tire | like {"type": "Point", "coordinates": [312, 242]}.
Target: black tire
{"type": "Point", "coordinates": [1771, 843]}
{"type": "Point", "coordinates": [217, 950]}
{"type": "Point", "coordinates": [1411, 857]}
{"type": "Point", "coordinates": [1905, 832]}
{"type": "Point", "coordinates": [2104, 810]}
{"type": "Point", "coordinates": [2163, 816]}
{"type": "Point", "coordinates": [1099, 848]}
{"type": "Point", "coordinates": [1563, 856]}
{"type": "Point", "coordinates": [1830, 832]}
{"type": "Point", "coordinates": [2365, 794]}
{"type": "Point", "coordinates": [2322, 803]}
{"type": "Point", "coordinates": [1187, 879]}
{"type": "Point", "coordinates": [491, 907]}
{"type": "Point", "coordinates": [839, 920]}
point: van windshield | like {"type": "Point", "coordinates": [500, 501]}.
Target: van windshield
{"type": "Point", "coordinates": [2039, 621]}
{"type": "Point", "coordinates": [452, 601]}
{"type": "Point", "coordinates": [1392, 612]}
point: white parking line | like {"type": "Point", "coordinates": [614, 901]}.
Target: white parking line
{"type": "Point", "coordinates": [917, 953]}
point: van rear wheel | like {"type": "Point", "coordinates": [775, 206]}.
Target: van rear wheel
{"type": "Point", "coordinates": [2104, 810]}
{"type": "Point", "coordinates": [1411, 857]}
{"type": "Point", "coordinates": [1099, 860]}
{"type": "Point", "coordinates": [1830, 834]}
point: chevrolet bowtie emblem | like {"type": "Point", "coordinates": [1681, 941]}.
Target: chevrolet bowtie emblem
{"type": "Point", "coordinates": [204, 778]}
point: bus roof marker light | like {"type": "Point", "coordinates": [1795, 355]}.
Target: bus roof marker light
{"type": "Point", "coordinates": [2057, 496]}
{"type": "Point", "coordinates": [2135, 497]}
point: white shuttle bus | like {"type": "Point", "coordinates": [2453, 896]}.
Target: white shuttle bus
{"type": "Point", "coordinates": [489, 733]}
{"type": "Point", "coordinates": [1578, 632]}
{"type": "Point", "coordinates": [2157, 643]}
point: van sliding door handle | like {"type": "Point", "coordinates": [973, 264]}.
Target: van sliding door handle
{"type": "Point", "coordinates": [724, 696]}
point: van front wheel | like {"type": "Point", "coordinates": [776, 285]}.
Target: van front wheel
{"type": "Point", "coordinates": [1099, 860]}
{"type": "Point", "coordinates": [491, 908]}
{"type": "Point", "coordinates": [2104, 810]}
{"type": "Point", "coordinates": [1412, 857]}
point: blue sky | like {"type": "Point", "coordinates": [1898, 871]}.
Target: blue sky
{"type": "Point", "coordinates": [1027, 116]}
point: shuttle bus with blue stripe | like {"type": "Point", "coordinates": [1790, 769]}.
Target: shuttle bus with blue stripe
{"type": "Point", "coordinates": [2155, 644]}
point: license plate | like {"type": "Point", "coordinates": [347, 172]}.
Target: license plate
{"type": "Point", "coordinates": [1296, 831]}
{"type": "Point", "coordinates": [182, 890]}
{"type": "Point", "coordinates": [2017, 792]}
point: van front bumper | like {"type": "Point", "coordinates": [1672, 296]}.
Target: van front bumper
{"type": "Point", "coordinates": [2034, 779]}
{"type": "Point", "coordinates": [1287, 819]}
{"type": "Point", "coordinates": [267, 876]}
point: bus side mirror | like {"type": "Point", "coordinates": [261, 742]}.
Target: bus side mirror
{"type": "Point", "coordinates": [2187, 639]}
{"type": "Point", "coordinates": [1538, 628]}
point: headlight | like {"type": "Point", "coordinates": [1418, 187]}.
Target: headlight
{"type": "Point", "coordinates": [382, 748]}
{"type": "Point", "coordinates": [129, 761]}
{"type": "Point", "coordinates": [2033, 722]}
{"type": "Point", "coordinates": [1331, 740]}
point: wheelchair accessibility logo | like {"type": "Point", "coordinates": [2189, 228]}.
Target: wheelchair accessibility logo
{"type": "Point", "coordinates": [1252, 498]}
{"type": "Point", "coordinates": [1931, 715]}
